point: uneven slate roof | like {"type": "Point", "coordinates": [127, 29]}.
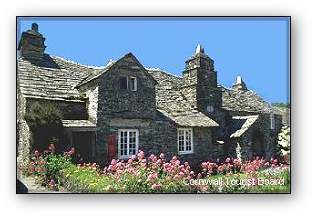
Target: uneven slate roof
{"type": "Point", "coordinates": [55, 78]}
{"type": "Point", "coordinates": [191, 119]}
{"type": "Point", "coordinates": [247, 101]}
{"type": "Point", "coordinates": [51, 78]}
{"type": "Point", "coordinates": [245, 121]}
{"type": "Point", "coordinates": [172, 104]}
{"type": "Point", "coordinates": [96, 73]}
{"type": "Point", "coordinates": [78, 123]}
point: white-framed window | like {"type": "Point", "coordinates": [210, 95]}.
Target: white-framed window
{"type": "Point", "coordinates": [128, 142]}
{"type": "Point", "coordinates": [185, 140]}
{"type": "Point", "coordinates": [133, 83]}
{"type": "Point", "coordinates": [272, 119]}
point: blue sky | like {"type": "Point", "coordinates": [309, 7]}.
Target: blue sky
{"type": "Point", "coordinates": [255, 48]}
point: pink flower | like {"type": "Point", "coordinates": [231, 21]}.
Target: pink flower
{"type": "Point", "coordinates": [141, 154]}
{"type": "Point", "coordinates": [52, 184]}
{"type": "Point", "coordinates": [227, 160]}
{"type": "Point", "coordinates": [51, 148]}
{"type": "Point", "coordinates": [113, 162]}
{"type": "Point", "coordinates": [176, 177]}
{"type": "Point", "coordinates": [37, 154]}
{"type": "Point", "coordinates": [156, 186]}
{"type": "Point", "coordinates": [199, 175]}
{"type": "Point", "coordinates": [152, 177]}
{"type": "Point", "coordinates": [162, 156]}
{"type": "Point", "coordinates": [71, 152]}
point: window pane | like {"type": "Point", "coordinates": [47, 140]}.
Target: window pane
{"type": "Point", "coordinates": [181, 140]}
{"type": "Point", "coordinates": [123, 83]}
{"type": "Point", "coordinates": [133, 83]}
{"type": "Point", "coordinates": [132, 143]}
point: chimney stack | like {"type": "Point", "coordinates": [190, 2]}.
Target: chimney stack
{"type": "Point", "coordinates": [31, 45]}
{"type": "Point", "coordinates": [240, 84]}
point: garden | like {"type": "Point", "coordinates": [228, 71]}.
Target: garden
{"type": "Point", "coordinates": [155, 174]}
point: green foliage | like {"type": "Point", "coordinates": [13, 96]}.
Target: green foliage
{"type": "Point", "coordinates": [45, 121]}
{"type": "Point", "coordinates": [43, 115]}
{"type": "Point", "coordinates": [285, 105]}
{"type": "Point", "coordinates": [87, 179]}
{"type": "Point", "coordinates": [271, 180]}
{"type": "Point", "coordinates": [54, 164]}
{"type": "Point", "coordinates": [155, 175]}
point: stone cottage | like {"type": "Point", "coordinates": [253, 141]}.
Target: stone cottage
{"type": "Point", "coordinates": [115, 110]}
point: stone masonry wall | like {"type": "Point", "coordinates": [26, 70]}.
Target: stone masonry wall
{"type": "Point", "coordinates": [131, 109]}
{"type": "Point", "coordinates": [262, 126]}
{"type": "Point", "coordinates": [23, 134]}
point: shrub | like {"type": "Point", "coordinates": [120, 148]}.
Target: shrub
{"type": "Point", "coordinates": [45, 121]}
{"type": "Point", "coordinates": [284, 143]}
{"type": "Point", "coordinates": [46, 166]}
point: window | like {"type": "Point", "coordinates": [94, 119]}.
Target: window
{"type": "Point", "coordinates": [133, 83]}
{"type": "Point", "coordinates": [272, 119]}
{"type": "Point", "coordinates": [210, 108]}
{"type": "Point", "coordinates": [128, 83]}
{"type": "Point", "coordinates": [185, 141]}
{"type": "Point", "coordinates": [128, 140]}
{"type": "Point", "coordinates": [123, 83]}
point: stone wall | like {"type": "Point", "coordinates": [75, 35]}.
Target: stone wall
{"type": "Point", "coordinates": [204, 148]}
{"type": "Point", "coordinates": [23, 134]}
{"type": "Point", "coordinates": [261, 126]}
{"type": "Point", "coordinates": [92, 103]}
{"type": "Point", "coordinates": [130, 109]}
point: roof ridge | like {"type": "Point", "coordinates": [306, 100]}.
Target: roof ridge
{"type": "Point", "coordinates": [163, 71]}
{"type": "Point", "coordinates": [80, 64]}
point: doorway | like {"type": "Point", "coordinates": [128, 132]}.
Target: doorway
{"type": "Point", "coordinates": [258, 144]}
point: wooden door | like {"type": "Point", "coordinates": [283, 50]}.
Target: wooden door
{"type": "Point", "coordinates": [112, 147]}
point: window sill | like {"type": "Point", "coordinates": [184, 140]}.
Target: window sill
{"type": "Point", "coordinates": [124, 157]}
{"type": "Point", "coordinates": [185, 153]}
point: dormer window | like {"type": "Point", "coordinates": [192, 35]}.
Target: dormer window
{"type": "Point", "coordinates": [133, 83]}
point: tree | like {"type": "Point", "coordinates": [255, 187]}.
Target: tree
{"type": "Point", "coordinates": [45, 122]}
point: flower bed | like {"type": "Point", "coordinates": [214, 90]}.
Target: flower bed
{"type": "Point", "coordinates": [156, 175]}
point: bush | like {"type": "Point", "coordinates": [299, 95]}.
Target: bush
{"type": "Point", "coordinates": [45, 121]}
{"type": "Point", "coordinates": [47, 166]}
{"type": "Point", "coordinates": [284, 143]}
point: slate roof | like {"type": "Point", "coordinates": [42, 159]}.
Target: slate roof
{"type": "Point", "coordinates": [244, 101]}
{"type": "Point", "coordinates": [243, 123]}
{"type": "Point", "coordinates": [174, 105]}
{"type": "Point", "coordinates": [55, 78]}
{"type": "Point", "coordinates": [51, 78]}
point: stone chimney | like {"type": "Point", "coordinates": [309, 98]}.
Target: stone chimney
{"type": "Point", "coordinates": [199, 84]}
{"type": "Point", "coordinates": [240, 84]}
{"type": "Point", "coordinates": [31, 44]}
